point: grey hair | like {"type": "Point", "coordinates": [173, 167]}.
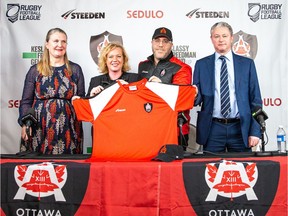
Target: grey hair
{"type": "Point", "coordinates": [221, 24]}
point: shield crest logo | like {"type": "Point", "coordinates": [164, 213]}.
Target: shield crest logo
{"type": "Point", "coordinates": [245, 44]}
{"type": "Point", "coordinates": [98, 42]}
{"type": "Point", "coordinates": [148, 107]}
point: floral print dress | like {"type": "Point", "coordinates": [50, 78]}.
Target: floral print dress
{"type": "Point", "coordinates": [57, 130]}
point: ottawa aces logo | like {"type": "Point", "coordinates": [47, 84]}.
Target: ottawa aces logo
{"type": "Point", "coordinates": [44, 188]}
{"type": "Point", "coordinates": [230, 187]}
{"type": "Point", "coordinates": [231, 180]}
{"type": "Point", "coordinates": [40, 180]}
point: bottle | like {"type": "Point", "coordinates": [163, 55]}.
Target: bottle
{"type": "Point", "coordinates": [281, 139]}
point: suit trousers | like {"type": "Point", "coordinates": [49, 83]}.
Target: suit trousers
{"type": "Point", "coordinates": [225, 138]}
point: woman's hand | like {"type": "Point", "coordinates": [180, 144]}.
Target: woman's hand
{"type": "Point", "coordinates": [75, 97]}
{"type": "Point", "coordinates": [96, 90]}
{"type": "Point", "coordinates": [123, 82]}
{"type": "Point", "coordinates": [24, 135]}
{"type": "Point", "coordinates": [154, 79]}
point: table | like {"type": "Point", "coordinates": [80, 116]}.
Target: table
{"type": "Point", "coordinates": [213, 186]}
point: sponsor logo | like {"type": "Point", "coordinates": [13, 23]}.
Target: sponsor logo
{"type": "Point", "coordinates": [98, 42]}
{"type": "Point", "coordinates": [138, 14]}
{"type": "Point", "coordinates": [272, 102]}
{"type": "Point", "coordinates": [183, 53]}
{"type": "Point", "coordinates": [71, 14]}
{"type": "Point", "coordinates": [197, 14]}
{"type": "Point", "coordinates": [43, 188]}
{"type": "Point", "coordinates": [245, 44]}
{"type": "Point", "coordinates": [258, 11]}
{"type": "Point", "coordinates": [148, 107]}
{"type": "Point", "coordinates": [120, 110]}
{"type": "Point", "coordinates": [34, 55]}
{"type": "Point", "coordinates": [17, 12]}
{"type": "Point", "coordinates": [230, 187]}
{"type": "Point", "coordinates": [163, 72]}
{"type": "Point", "coordinates": [14, 103]}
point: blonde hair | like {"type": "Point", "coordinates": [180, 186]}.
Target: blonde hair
{"type": "Point", "coordinates": [43, 66]}
{"type": "Point", "coordinates": [103, 57]}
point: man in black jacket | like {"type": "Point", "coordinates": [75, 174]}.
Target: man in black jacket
{"type": "Point", "coordinates": [163, 66]}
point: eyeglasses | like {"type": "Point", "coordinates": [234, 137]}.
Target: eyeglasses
{"type": "Point", "coordinates": [164, 41]}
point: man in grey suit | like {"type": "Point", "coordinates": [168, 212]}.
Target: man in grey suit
{"type": "Point", "coordinates": [235, 130]}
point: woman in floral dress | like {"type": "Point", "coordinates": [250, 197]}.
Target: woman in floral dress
{"type": "Point", "coordinates": [48, 89]}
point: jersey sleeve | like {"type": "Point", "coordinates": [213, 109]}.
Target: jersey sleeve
{"type": "Point", "coordinates": [83, 110]}
{"type": "Point", "coordinates": [185, 98]}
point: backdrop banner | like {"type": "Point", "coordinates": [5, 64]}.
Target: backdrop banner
{"type": "Point", "coordinates": [260, 33]}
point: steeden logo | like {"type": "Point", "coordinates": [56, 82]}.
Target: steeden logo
{"type": "Point", "coordinates": [195, 13]}
{"type": "Point", "coordinates": [83, 15]}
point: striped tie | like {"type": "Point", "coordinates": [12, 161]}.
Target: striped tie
{"type": "Point", "coordinates": [224, 89]}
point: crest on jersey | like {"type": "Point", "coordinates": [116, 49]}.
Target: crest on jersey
{"type": "Point", "coordinates": [98, 42]}
{"type": "Point", "coordinates": [148, 107]}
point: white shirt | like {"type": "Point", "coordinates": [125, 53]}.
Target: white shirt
{"type": "Point", "coordinates": [231, 79]}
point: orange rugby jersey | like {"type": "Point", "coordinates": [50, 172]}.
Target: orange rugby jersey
{"type": "Point", "coordinates": [131, 122]}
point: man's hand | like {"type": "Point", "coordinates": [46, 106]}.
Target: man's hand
{"type": "Point", "coordinates": [253, 141]}
{"type": "Point", "coordinates": [196, 92]}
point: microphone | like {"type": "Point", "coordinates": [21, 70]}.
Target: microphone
{"type": "Point", "coordinates": [181, 120]}
{"type": "Point", "coordinates": [259, 114]}
{"type": "Point", "coordinates": [29, 119]}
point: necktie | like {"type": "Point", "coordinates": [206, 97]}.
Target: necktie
{"type": "Point", "coordinates": [224, 89]}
